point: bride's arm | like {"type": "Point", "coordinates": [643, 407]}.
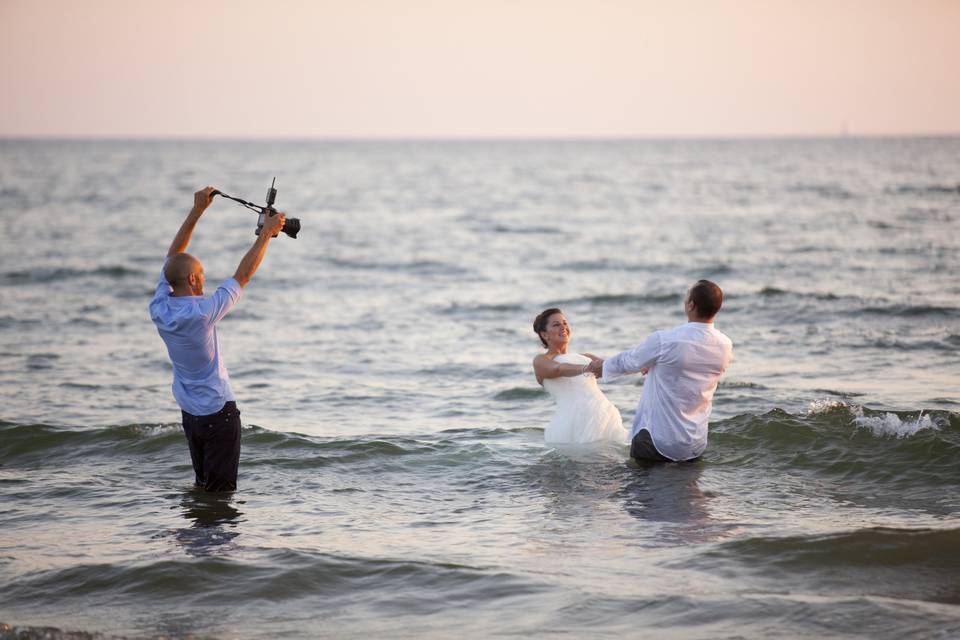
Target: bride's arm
{"type": "Point", "coordinates": [544, 368]}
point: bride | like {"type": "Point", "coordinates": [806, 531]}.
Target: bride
{"type": "Point", "coordinates": [583, 413]}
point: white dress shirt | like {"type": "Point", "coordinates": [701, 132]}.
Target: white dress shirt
{"type": "Point", "coordinates": [685, 363]}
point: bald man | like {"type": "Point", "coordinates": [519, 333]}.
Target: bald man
{"type": "Point", "coordinates": [187, 322]}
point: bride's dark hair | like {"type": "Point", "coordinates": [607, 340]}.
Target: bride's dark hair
{"type": "Point", "coordinates": [540, 322]}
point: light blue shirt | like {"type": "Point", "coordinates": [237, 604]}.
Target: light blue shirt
{"type": "Point", "coordinates": [685, 364]}
{"type": "Point", "coordinates": [188, 326]}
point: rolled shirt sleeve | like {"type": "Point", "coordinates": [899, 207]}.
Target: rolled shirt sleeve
{"type": "Point", "coordinates": [222, 300]}
{"type": "Point", "coordinates": [633, 360]}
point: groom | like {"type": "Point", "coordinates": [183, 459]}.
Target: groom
{"type": "Point", "coordinates": [683, 366]}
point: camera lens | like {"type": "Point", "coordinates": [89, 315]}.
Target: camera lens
{"type": "Point", "coordinates": [291, 227]}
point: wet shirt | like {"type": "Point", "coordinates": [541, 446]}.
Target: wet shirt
{"type": "Point", "coordinates": [685, 364]}
{"type": "Point", "coordinates": [188, 326]}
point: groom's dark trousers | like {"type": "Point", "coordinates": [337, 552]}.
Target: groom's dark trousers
{"type": "Point", "coordinates": [642, 448]}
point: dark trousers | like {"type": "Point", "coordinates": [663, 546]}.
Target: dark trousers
{"type": "Point", "coordinates": [214, 442]}
{"type": "Point", "coordinates": [642, 449]}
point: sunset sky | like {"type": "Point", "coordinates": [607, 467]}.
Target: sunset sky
{"type": "Point", "coordinates": [490, 68]}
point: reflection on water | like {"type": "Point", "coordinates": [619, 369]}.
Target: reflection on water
{"type": "Point", "coordinates": [576, 474]}
{"type": "Point", "coordinates": [213, 522]}
{"type": "Point", "coordinates": [670, 494]}
{"type": "Point", "coordinates": [666, 498]}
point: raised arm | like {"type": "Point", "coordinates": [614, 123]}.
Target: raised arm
{"type": "Point", "coordinates": [254, 256]}
{"type": "Point", "coordinates": [544, 367]}
{"type": "Point", "coordinates": [201, 200]}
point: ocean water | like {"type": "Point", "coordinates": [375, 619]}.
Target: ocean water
{"type": "Point", "coordinates": [394, 481]}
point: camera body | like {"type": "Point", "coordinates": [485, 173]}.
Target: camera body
{"type": "Point", "coordinates": [292, 225]}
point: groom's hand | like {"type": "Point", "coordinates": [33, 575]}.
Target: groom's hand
{"type": "Point", "coordinates": [596, 365]}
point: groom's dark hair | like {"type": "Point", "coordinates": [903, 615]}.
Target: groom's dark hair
{"type": "Point", "coordinates": [540, 322]}
{"type": "Point", "coordinates": [707, 297]}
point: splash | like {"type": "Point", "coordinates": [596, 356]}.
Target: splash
{"type": "Point", "coordinates": [821, 407]}
{"type": "Point", "coordinates": [890, 424]}
{"type": "Point", "coordinates": [881, 425]}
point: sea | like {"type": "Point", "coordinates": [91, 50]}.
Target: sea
{"type": "Point", "coordinates": [394, 481]}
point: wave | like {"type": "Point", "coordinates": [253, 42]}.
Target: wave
{"type": "Point", "coordinates": [280, 575]}
{"type": "Point", "coordinates": [711, 271]}
{"type": "Point", "coordinates": [9, 322]}
{"type": "Point", "coordinates": [520, 393]}
{"type": "Point", "coordinates": [856, 305]}
{"type": "Point", "coordinates": [24, 443]}
{"type": "Point", "coordinates": [890, 424]}
{"type": "Point", "coordinates": [828, 418]}
{"type": "Point", "coordinates": [734, 384]}
{"type": "Point", "coordinates": [621, 299]}
{"type": "Point", "coordinates": [425, 267]}
{"type": "Point", "coordinates": [56, 274]}
{"type": "Point", "coordinates": [911, 311]}
{"type": "Point", "coordinates": [497, 308]}
{"type": "Point", "coordinates": [900, 546]}
{"type": "Point", "coordinates": [602, 265]}
{"type": "Point", "coordinates": [839, 394]}
{"type": "Point", "coordinates": [770, 292]}
{"type": "Point", "coordinates": [919, 564]}
{"type": "Point", "coordinates": [38, 361]}
{"type": "Point", "coordinates": [924, 189]}
{"type": "Point", "coordinates": [846, 442]}
{"type": "Point", "coordinates": [879, 424]}
{"type": "Point", "coordinates": [80, 386]}
{"type": "Point", "coordinates": [533, 230]}
{"type": "Point", "coordinates": [27, 632]}
{"type": "Point", "coordinates": [948, 343]}
{"type": "Point", "coordinates": [825, 191]}
{"type": "Point", "coordinates": [833, 438]}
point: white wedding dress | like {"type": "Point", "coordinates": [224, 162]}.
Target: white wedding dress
{"type": "Point", "coordinates": [583, 413]}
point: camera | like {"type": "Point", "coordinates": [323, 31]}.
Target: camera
{"type": "Point", "coordinates": [291, 226]}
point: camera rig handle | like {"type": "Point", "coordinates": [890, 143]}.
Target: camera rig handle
{"type": "Point", "coordinates": [291, 227]}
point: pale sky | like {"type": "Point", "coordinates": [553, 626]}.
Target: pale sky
{"type": "Point", "coordinates": [483, 68]}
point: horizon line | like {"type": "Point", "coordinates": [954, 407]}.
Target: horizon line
{"type": "Point", "coordinates": [472, 138]}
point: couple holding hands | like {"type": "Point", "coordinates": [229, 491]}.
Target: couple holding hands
{"type": "Point", "coordinates": [683, 366]}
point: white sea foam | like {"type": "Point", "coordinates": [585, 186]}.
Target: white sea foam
{"type": "Point", "coordinates": [890, 424]}
{"type": "Point", "coordinates": [820, 407]}
{"type": "Point", "coordinates": [155, 430]}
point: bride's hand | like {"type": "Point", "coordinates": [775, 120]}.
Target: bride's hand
{"type": "Point", "coordinates": [596, 367]}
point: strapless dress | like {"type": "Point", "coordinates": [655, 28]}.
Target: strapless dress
{"type": "Point", "coordinates": [583, 413]}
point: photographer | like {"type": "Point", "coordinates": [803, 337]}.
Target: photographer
{"type": "Point", "coordinates": [187, 322]}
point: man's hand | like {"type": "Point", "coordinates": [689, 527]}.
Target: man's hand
{"type": "Point", "coordinates": [273, 224]}
{"type": "Point", "coordinates": [202, 199]}
{"type": "Point", "coordinates": [248, 265]}
{"type": "Point", "coordinates": [596, 365]}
